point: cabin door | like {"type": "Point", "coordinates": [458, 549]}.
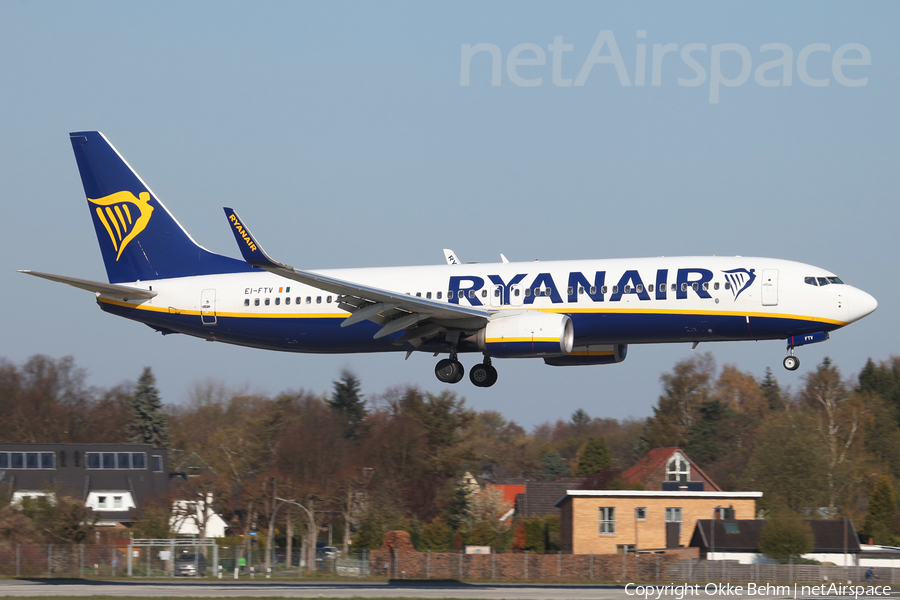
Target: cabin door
{"type": "Point", "coordinates": [770, 287]}
{"type": "Point", "coordinates": [208, 307]}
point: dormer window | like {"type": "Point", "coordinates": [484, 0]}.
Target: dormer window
{"type": "Point", "coordinates": [678, 469]}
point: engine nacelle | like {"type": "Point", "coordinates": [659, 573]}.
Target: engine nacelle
{"type": "Point", "coordinates": [597, 354]}
{"type": "Point", "coordinates": [527, 333]}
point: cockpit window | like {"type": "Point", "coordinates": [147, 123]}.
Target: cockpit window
{"type": "Point", "coordinates": [810, 280]}
{"type": "Point", "coordinates": [823, 280]}
{"type": "Point", "coordinates": [835, 280]}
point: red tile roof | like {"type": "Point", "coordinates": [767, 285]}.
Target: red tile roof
{"type": "Point", "coordinates": [650, 471]}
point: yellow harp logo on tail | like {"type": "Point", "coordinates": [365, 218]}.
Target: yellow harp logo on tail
{"type": "Point", "coordinates": [123, 216]}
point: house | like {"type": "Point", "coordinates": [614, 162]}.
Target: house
{"type": "Point", "coordinates": [623, 521]}
{"type": "Point", "coordinates": [111, 479]}
{"type": "Point", "coordinates": [668, 468]}
{"type": "Point", "coordinates": [192, 518]}
{"type": "Point", "coordinates": [539, 499]}
{"type": "Point", "coordinates": [834, 541]}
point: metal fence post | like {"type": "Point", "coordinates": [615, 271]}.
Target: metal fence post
{"type": "Point", "coordinates": [592, 566]}
{"type": "Point", "coordinates": [49, 560]}
{"type": "Point", "coordinates": [460, 565]}
{"type": "Point", "coordinates": [216, 571]}
{"type": "Point", "coordinates": [428, 565]}
{"type": "Point", "coordinates": [558, 564]}
{"type": "Point", "coordinates": [130, 553]}
{"type": "Point", "coordinates": [526, 564]}
{"type": "Point", "coordinates": [493, 565]}
{"type": "Point", "coordinates": [18, 546]}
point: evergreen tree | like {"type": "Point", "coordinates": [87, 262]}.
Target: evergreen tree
{"type": "Point", "coordinates": [594, 458]}
{"type": "Point", "coordinates": [347, 402]}
{"type": "Point", "coordinates": [882, 510]}
{"type": "Point", "coordinates": [772, 391]}
{"type": "Point", "coordinates": [459, 510]}
{"type": "Point", "coordinates": [553, 466]}
{"type": "Point", "coordinates": [148, 424]}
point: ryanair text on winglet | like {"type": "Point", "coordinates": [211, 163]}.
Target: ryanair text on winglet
{"type": "Point", "coordinates": [240, 229]}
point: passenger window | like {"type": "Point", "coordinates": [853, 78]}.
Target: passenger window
{"type": "Point", "coordinates": [496, 292]}
{"type": "Point", "coordinates": [673, 287]}
{"type": "Point", "coordinates": [418, 294]}
{"type": "Point", "coordinates": [548, 292]}
{"type": "Point", "coordinates": [246, 301]}
{"type": "Point", "coordinates": [328, 299]}
{"type": "Point", "coordinates": [277, 301]}
{"type": "Point", "coordinates": [810, 280]}
{"type": "Point", "coordinates": [627, 289]}
{"type": "Point", "coordinates": [267, 301]}
{"type": "Point", "coordinates": [439, 295]}
{"type": "Point", "coordinates": [823, 281]}
{"type": "Point", "coordinates": [309, 299]}
{"type": "Point", "coordinates": [594, 289]}
{"type": "Point", "coordinates": [428, 295]}
{"type": "Point", "coordinates": [639, 288]}
{"type": "Point", "coordinates": [318, 299]}
{"type": "Point", "coordinates": [484, 293]}
{"type": "Point", "coordinates": [580, 290]}
{"type": "Point", "coordinates": [287, 300]}
{"type": "Point", "coordinates": [527, 292]}
{"type": "Point", "coordinates": [683, 287]}
{"type": "Point", "coordinates": [569, 290]}
{"type": "Point", "coordinates": [716, 285]}
{"type": "Point", "coordinates": [615, 289]}
{"type": "Point", "coordinates": [471, 293]}
{"type": "Point", "coordinates": [462, 294]}
{"type": "Point", "coordinates": [727, 285]}
{"type": "Point", "coordinates": [256, 302]}
{"type": "Point", "coordinates": [650, 288]}
{"type": "Point", "coordinates": [705, 285]}
{"type": "Point", "coordinates": [298, 299]}
{"type": "Point", "coordinates": [516, 292]}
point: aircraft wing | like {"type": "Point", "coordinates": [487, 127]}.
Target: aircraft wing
{"type": "Point", "coordinates": [107, 289]}
{"type": "Point", "coordinates": [393, 310]}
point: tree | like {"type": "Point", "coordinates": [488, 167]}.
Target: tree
{"type": "Point", "coordinates": [347, 402]}
{"type": "Point", "coordinates": [594, 458]}
{"type": "Point", "coordinates": [686, 388]}
{"type": "Point", "coordinates": [785, 536]}
{"type": "Point", "coordinates": [553, 466]}
{"type": "Point", "coordinates": [148, 424]}
{"type": "Point", "coordinates": [882, 512]}
{"type": "Point", "coordinates": [436, 535]}
{"type": "Point", "coordinates": [772, 391]}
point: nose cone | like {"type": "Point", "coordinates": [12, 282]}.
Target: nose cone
{"type": "Point", "coordinates": [861, 304]}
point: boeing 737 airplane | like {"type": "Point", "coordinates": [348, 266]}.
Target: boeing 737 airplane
{"type": "Point", "coordinates": [575, 312]}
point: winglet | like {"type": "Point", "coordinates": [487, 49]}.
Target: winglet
{"type": "Point", "coordinates": [450, 257]}
{"type": "Point", "coordinates": [250, 248]}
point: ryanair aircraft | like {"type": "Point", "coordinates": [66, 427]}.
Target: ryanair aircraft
{"type": "Point", "coordinates": [583, 312]}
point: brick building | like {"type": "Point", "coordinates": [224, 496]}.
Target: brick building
{"type": "Point", "coordinates": [618, 521]}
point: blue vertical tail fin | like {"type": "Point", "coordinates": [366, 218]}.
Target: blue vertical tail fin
{"type": "Point", "coordinates": [139, 238]}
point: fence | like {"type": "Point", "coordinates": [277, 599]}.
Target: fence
{"type": "Point", "coordinates": [690, 571]}
{"type": "Point", "coordinates": [204, 558]}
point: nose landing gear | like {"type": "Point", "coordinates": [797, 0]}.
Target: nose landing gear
{"type": "Point", "coordinates": [791, 362]}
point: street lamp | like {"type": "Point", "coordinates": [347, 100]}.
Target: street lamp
{"type": "Point", "coordinates": [312, 528]}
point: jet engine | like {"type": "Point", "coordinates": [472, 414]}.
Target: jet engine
{"type": "Point", "coordinates": [597, 354]}
{"type": "Point", "coordinates": [527, 333]}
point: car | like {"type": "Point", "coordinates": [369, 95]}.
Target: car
{"type": "Point", "coordinates": [190, 564]}
{"type": "Point", "coordinates": [327, 552]}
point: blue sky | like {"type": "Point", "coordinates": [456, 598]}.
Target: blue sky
{"type": "Point", "coordinates": [341, 133]}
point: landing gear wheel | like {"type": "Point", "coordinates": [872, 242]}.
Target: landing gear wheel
{"type": "Point", "coordinates": [483, 375]}
{"type": "Point", "coordinates": [449, 370]}
{"type": "Point", "coordinates": [791, 363]}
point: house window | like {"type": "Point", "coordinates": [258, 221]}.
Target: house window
{"type": "Point", "coordinates": [101, 502]}
{"type": "Point", "coordinates": [117, 502]}
{"type": "Point", "coordinates": [624, 548]}
{"type": "Point", "coordinates": [640, 513]}
{"type": "Point", "coordinates": [157, 463]}
{"type": "Point", "coordinates": [678, 469]}
{"type": "Point", "coordinates": [607, 519]}
{"type": "Point", "coordinates": [673, 515]}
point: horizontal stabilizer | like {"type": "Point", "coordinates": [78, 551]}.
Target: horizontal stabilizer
{"type": "Point", "coordinates": [107, 289]}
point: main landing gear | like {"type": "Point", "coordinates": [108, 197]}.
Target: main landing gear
{"type": "Point", "coordinates": [450, 370]}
